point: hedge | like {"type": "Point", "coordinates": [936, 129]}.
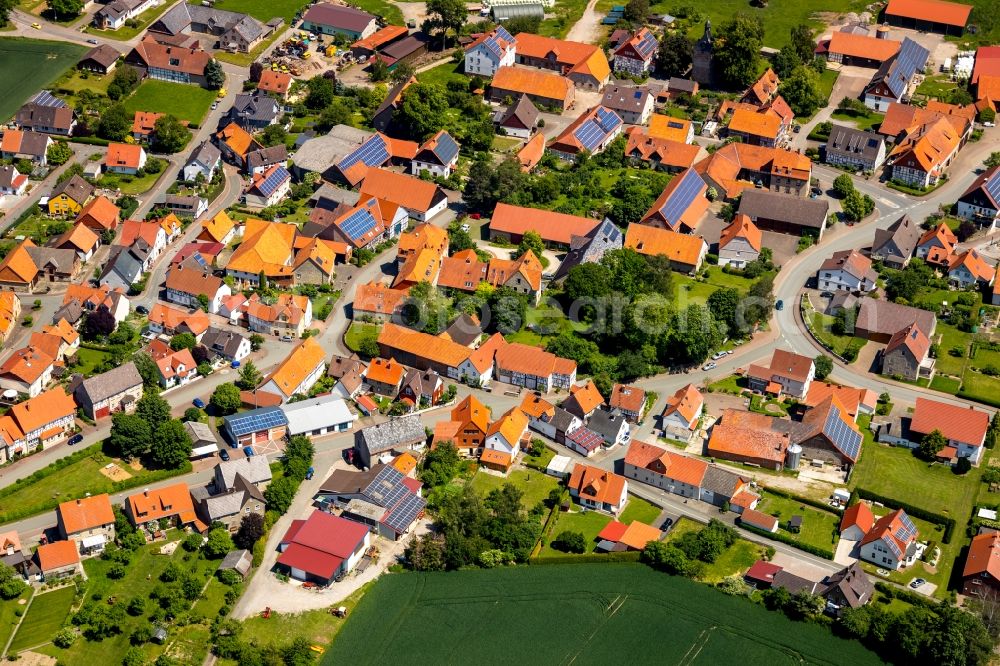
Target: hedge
{"type": "Point", "coordinates": [91, 140]}
{"type": "Point", "coordinates": [589, 558]}
{"type": "Point", "coordinates": [912, 598]}
{"type": "Point", "coordinates": [784, 538]}
{"type": "Point", "coordinates": [818, 504]}
{"type": "Point", "coordinates": [915, 511]}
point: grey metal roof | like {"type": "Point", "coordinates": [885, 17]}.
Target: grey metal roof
{"type": "Point", "coordinates": [254, 469]}
{"type": "Point", "coordinates": [206, 154]}
{"type": "Point", "coordinates": [607, 424]}
{"type": "Point", "coordinates": [899, 240]}
{"type": "Point", "coordinates": [322, 152]}
{"type": "Point", "coordinates": [277, 154]}
{"type": "Point", "coordinates": [111, 383]}
{"type": "Point", "coordinates": [316, 413]}
{"type": "Point", "coordinates": [240, 560]}
{"type": "Point", "coordinates": [784, 208]}
{"type": "Point", "coordinates": [256, 106]}
{"type": "Point", "coordinates": [719, 480]}
{"type": "Point", "coordinates": [175, 21]}
{"type": "Point", "coordinates": [403, 431]}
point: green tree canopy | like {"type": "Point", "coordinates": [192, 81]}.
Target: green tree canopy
{"type": "Point", "coordinates": [738, 50]}
{"type": "Point", "coordinates": [131, 435]}
{"type": "Point", "coordinates": [422, 110]}
{"type": "Point", "coordinates": [171, 445]}
{"type": "Point", "coordinates": [170, 136]}
{"type": "Point", "coordinates": [225, 399]}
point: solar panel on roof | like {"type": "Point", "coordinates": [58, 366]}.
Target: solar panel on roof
{"type": "Point", "coordinates": [647, 45]}
{"type": "Point", "coordinates": [908, 524]}
{"type": "Point", "coordinates": [446, 149]}
{"type": "Point", "coordinates": [271, 183]}
{"type": "Point", "coordinates": [893, 546]}
{"type": "Point", "coordinates": [910, 58]}
{"type": "Point", "coordinates": [256, 421]}
{"type": "Point", "coordinates": [46, 98]}
{"type": "Point", "coordinates": [845, 438]}
{"type": "Point", "coordinates": [405, 512]}
{"type": "Point", "coordinates": [586, 439]}
{"type": "Point", "coordinates": [372, 152]}
{"type": "Point", "coordinates": [681, 198]}
{"type": "Point", "coordinates": [358, 223]}
{"type": "Point", "coordinates": [992, 186]}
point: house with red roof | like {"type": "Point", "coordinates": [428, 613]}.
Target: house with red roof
{"type": "Point", "coordinates": [761, 574]}
{"type": "Point", "coordinates": [125, 158]}
{"type": "Point", "coordinates": [740, 243]}
{"type": "Point", "coordinates": [748, 437]}
{"type": "Point", "coordinates": [908, 355]}
{"type": "Point", "coordinates": [970, 268]}
{"type": "Point", "coordinates": [759, 520]}
{"type": "Point", "coordinates": [510, 223]}
{"type": "Point", "coordinates": [628, 400]}
{"type": "Point", "coordinates": [848, 270]}
{"type": "Point", "coordinates": [598, 489]}
{"type": "Point", "coordinates": [981, 574]}
{"type": "Point", "coordinates": [177, 368]}
{"type": "Point", "coordinates": [323, 548]}
{"type": "Point", "coordinates": [617, 537]}
{"type": "Point", "coordinates": [856, 522]}
{"type": "Point", "coordinates": [787, 373]}
{"type": "Point", "coordinates": [682, 413]}
{"type": "Point", "coordinates": [59, 559]}
{"type": "Point", "coordinates": [964, 427]}
{"type": "Point", "coordinates": [891, 543]}
{"type": "Point", "coordinates": [946, 18]}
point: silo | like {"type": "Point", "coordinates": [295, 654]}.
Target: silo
{"type": "Point", "coordinates": [793, 456]}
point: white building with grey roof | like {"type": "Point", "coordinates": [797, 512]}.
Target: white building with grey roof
{"type": "Point", "coordinates": [393, 436]}
{"type": "Point", "coordinates": [116, 390]}
{"type": "Point", "coordinates": [323, 415]}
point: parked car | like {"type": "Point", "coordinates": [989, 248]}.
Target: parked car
{"type": "Point", "coordinates": [779, 305]}
{"type": "Point", "coordinates": [917, 582]}
{"type": "Point", "coordinates": [286, 338]}
{"type": "Point", "coordinates": [717, 355]}
{"type": "Point", "coordinates": [224, 454]}
{"type": "Point", "coordinates": [248, 450]}
{"type": "Point", "coordinates": [92, 41]}
{"type": "Point", "coordinates": [199, 403]}
{"type": "Point", "coordinates": [142, 309]}
{"type": "Point", "coordinates": [75, 439]}
{"type": "Point", "coordinates": [709, 366]}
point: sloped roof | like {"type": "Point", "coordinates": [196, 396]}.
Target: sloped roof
{"type": "Point", "coordinates": [741, 227]}
{"type": "Point", "coordinates": [749, 434]}
{"type": "Point", "coordinates": [961, 424]}
{"type": "Point", "coordinates": [551, 226]}
{"type": "Point", "coordinates": [936, 11]}
{"type": "Point", "coordinates": [686, 401]}
{"type": "Point", "coordinates": [410, 192]}
{"type": "Point", "coordinates": [574, 57]}
{"type": "Point", "coordinates": [534, 82]}
{"type": "Point", "coordinates": [859, 514]}
{"type": "Point", "coordinates": [682, 248]}
{"type": "Point", "coordinates": [531, 153]}
{"type": "Point", "coordinates": [862, 46]}
{"type": "Point", "coordinates": [629, 398]}
{"type": "Point", "coordinates": [984, 556]}
{"type": "Point", "coordinates": [422, 345]}
{"type": "Point", "coordinates": [57, 554]}
{"type": "Point", "coordinates": [299, 364]}
{"type": "Point", "coordinates": [86, 513]}
{"type": "Point", "coordinates": [597, 484]}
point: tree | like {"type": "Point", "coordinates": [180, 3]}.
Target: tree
{"type": "Point", "coordinates": [674, 54]}
{"type": "Point", "coordinates": [843, 185]}
{"type": "Point", "coordinates": [273, 135]}
{"type": "Point", "coordinates": [250, 377]}
{"type": "Point", "coordinates": [426, 553]}
{"type": "Point", "coordinates": [508, 310]}
{"type": "Point", "coordinates": [402, 72]}
{"type": "Point", "coordinates": [59, 153]}
{"type": "Point", "coordinates": [219, 543]}
{"type": "Point", "coordinates": [336, 113]}
{"type": "Point", "coordinates": [588, 280]}
{"type": "Point", "coordinates": [321, 92]}
{"type": "Point", "coordinates": [636, 11]}
{"type": "Point", "coordinates": [183, 341]}
{"type": "Point", "coordinates": [631, 201]}
{"type": "Point", "coordinates": [98, 324]}
{"type": "Point", "coordinates": [857, 206]}
{"type": "Point", "coordinates": [802, 42]}
{"type": "Point", "coordinates": [931, 445]}
{"type": "Point", "coordinates": [225, 399]}
{"type": "Point", "coordinates": [445, 15]}
{"type": "Point", "coordinates": [531, 240]}
{"type": "Point", "coordinates": [802, 91]}
{"type": "Point", "coordinates": [962, 466]}
{"type": "Point", "coordinates": [422, 110]}
{"type": "Point", "coordinates": [440, 465]}
{"type": "Point", "coordinates": [11, 584]}
{"type": "Point", "coordinates": [256, 341]}
{"type": "Point", "coordinates": [724, 305]}
{"type": "Point", "coordinates": [64, 9]}
{"type": "Point", "coordinates": [368, 346]}
{"type": "Point", "coordinates": [115, 124]}
{"type": "Point", "coordinates": [147, 370]}
{"type": "Point", "coordinates": [169, 135]}
{"type": "Point", "coordinates": [280, 493]}
{"type": "Point", "coordinates": [738, 53]}
{"type": "Point", "coordinates": [171, 445]}
{"type": "Point", "coordinates": [123, 334]}
{"type": "Point", "coordinates": [192, 414]}
{"type": "Point", "coordinates": [251, 531]}
{"type": "Point", "coordinates": [667, 558]}
{"type": "Point", "coordinates": [965, 231]}
{"type": "Point", "coordinates": [130, 436]}
{"type": "Point", "coordinates": [378, 70]}
{"type": "Point", "coordinates": [6, 6]}
{"type": "Point", "coordinates": [987, 115]}
{"type": "Point", "coordinates": [214, 76]}
{"type": "Point", "coordinates": [153, 409]}
{"type": "Point", "coordinates": [125, 80]}
{"type": "Point", "coordinates": [694, 333]}
{"type": "Point", "coordinates": [570, 542]}
{"type": "Point", "coordinates": [824, 366]}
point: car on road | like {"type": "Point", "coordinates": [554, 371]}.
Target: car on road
{"type": "Point", "coordinates": [249, 451]}
{"type": "Point", "coordinates": [142, 309]}
{"type": "Point", "coordinates": [92, 41]}
{"type": "Point", "coordinates": [709, 366]}
{"type": "Point", "coordinates": [779, 305]}
{"type": "Point", "coordinates": [75, 439]}
{"type": "Point", "coordinates": [36, 26]}
{"type": "Point", "coordinates": [717, 355]}
{"type": "Point", "coordinates": [917, 582]}
{"type": "Point", "coordinates": [286, 338]}
{"type": "Point", "coordinates": [224, 455]}
{"type": "Point", "coordinates": [199, 403]}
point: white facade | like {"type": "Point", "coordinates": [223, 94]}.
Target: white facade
{"type": "Point", "coordinates": [968, 211]}
{"type": "Point", "coordinates": [837, 279]}
{"type": "Point", "coordinates": [602, 506]}
{"type": "Point", "coordinates": [191, 300]}
{"type": "Point", "coordinates": [480, 61]}
{"type": "Point", "coordinates": [129, 170]}
{"type": "Point", "coordinates": [738, 253]}
{"type": "Point", "coordinates": [30, 389]}
{"type": "Point", "coordinates": [433, 168]}
{"type": "Point", "coordinates": [193, 168]}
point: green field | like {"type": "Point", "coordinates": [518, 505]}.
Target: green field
{"type": "Point", "coordinates": [44, 618]}
{"type": "Point", "coordinates": [185, 102]}
{"type": "Point", "coordinates": [867, 121]}
{"type": "Point", "coordinates": [8, 617]}
{"type": "Point", "coordinates": [263, 11]}
{"type": "Point", "coordinates": [589, 524]}
{"type": "Point", "coordinates": [443, 74]}
{"type": "Point", "coordinates": [357, 332]}
{"type": "Point", "coordinates": [819, 528]}
{"type": "Point", "coordinates": [535, 485]}
{"type": "Point", "coordinates": [128, 184]}
{"type": "Point", "coordinates": [596, 614]}
{"type": "Point", "coordinates": [28, 65]}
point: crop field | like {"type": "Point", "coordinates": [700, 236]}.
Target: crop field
{"type": "Point", "coordinates": [28, 65]}
{"type": "Point", "coordinates": [44, 618]}
{"type": "Point", "coordinates": [599, 613]}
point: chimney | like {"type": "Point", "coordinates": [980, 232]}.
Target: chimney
{"type": "Point", "coordinates": [78, 501]}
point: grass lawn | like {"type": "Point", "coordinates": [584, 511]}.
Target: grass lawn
{"type": "Point", "coordinates": [822, 327]}
{"type": "Point", "coordinates": [387, 10]}
{"type": "Point", "coordinates": [8, 618]}
{"type": "Point", "coordinates": [826, 82]}
{"type": "Point", "coordinates": [39, 228]}
{"type": "Point", "coordinates": [128, 184]}
{"type": "Point", "coordinates": [535, 485]}
{"type": "Point", "coordinates": [952, 338]}
{"type": "Point", "coordinates": [189, 644]}
{"type": "Point", "coordinates": [89, 359]}
{"type": "Point", "coordinates": [75, 80]}
{"type": "Point", "coordinates": [492, 616]}
{"type": "Point", "coordinates": [945, 384]}
{"type": "Point", "coordinates": [732, 384]}
{"type": "Point", "coordinates": [819, 528]}
{"type": "Point", "coordinates": [356, 332]}
{"type": "Point", "coordinates": [443, 74]}
{"type": "Point", "coordinates": [989, 32]}
{"type": "Point", "coordinates": [185, 102]}
{"type": "Point", "coordinates": [562, 17]}
{"type": "Point", "coordinates": [868, 121]}
{"type": "Point", "coordinates": [28, 65]}
{"type": "Point", "coordinates": [74, 480]}
{"type": "Point", "coordinates": [641, 510]}
{"type": "Point", "coordinates": [44, 618]}
{"type": "Point", "coordinates": [589, 524]}
{"type": "Point", "coordinates": [541, 461]}
{"type": "Point", "coordinates": [688, 291]}
{"type": "Point", "coordinates": [264, 12]}
{"type": "Point", "coordinates": [126, 33]}
{"type": "Point", "coordinates": [505, 144]}
{"type": "Point", "coordinates": [980, 387]}
{"type": "Point", "coordinates": [937, 86]}
{"type": "Point", "coordinates": [735, 560]}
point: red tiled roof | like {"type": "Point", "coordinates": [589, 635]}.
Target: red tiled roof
{"type": "Point", "coordinates": [86, 513]}
{"type": "Point", "coordinates": [748, 435]}
{"type": "Point", "coordinates": [862, 46]}
{"type": "Point", "coordinates": [628, 398]}
{"type": "Point", "coordinates": [763, 571]}
{"type": "Point", "coordinates": [961, 424]}
{"type": "Point", "coordinates": [552, 227]}
{"type": "Point", "coordinates": [861, 515]}
{"type": "Point", "coordinates": [56, 555]}
{"type": "Point", "coordinates": [596, 484]}
{"type": "Point", "coordinates": [935, 11]}
{"type": "Point", "coordinates": [320, 544]}
{"type": "Point", "coordinates": [984, 556]}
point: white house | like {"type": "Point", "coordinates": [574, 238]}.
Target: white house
{"type": "Point", "coordinates": [205, 159]}
{"type": "Point", "coordinates": [185, 286]}
{"type": "Point", "coordinates": [848, 270]}
{"type": "Point", "coordinates": [682, 412]}
{"type": "Point", "coordinates": [268, 188]}
{"type": "Point", "coordinates": [505, 433]}
{"type": "Point", "coordinates": [177, 368]}
{"type": "Point", "coordinates": [598, 489]}
{"type": "Point", "coordinates": [892, 542]}
{"type": "Point", "coordinates": [740, 243]}
{"type": "Point", "coordinates": [125, 158]}
{"type": "Point", "coordinates": [228, 344]}
{"type": "Point", "coordinates": [117, 12]}
{"type": "Point", "coordinates": [318, 416]}
{"type": "Point", "coordinates": [489, 52]}
{"type": "Point", "coordinates": [635, 56]}
{"type": "Point", "coordinates": [438, 156]}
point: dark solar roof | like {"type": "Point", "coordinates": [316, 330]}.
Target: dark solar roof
{"type": "Point", "coordinates": [844, 437]}
{"type": "Point", "coordinates": [586, 439]}
{"type": "Point", "coordinates": [255, 420]}
{"type": "Point", "coordinates": [272, 182]}
{"type": "Point", "coordinates": [595, 129]}
{"type": "Point", "coordinates": [681, 198]}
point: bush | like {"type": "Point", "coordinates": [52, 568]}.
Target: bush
{"type": "Point", "coordinates": [65, 638]}
{"type": "Point", "coordinates": [570, 542]}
